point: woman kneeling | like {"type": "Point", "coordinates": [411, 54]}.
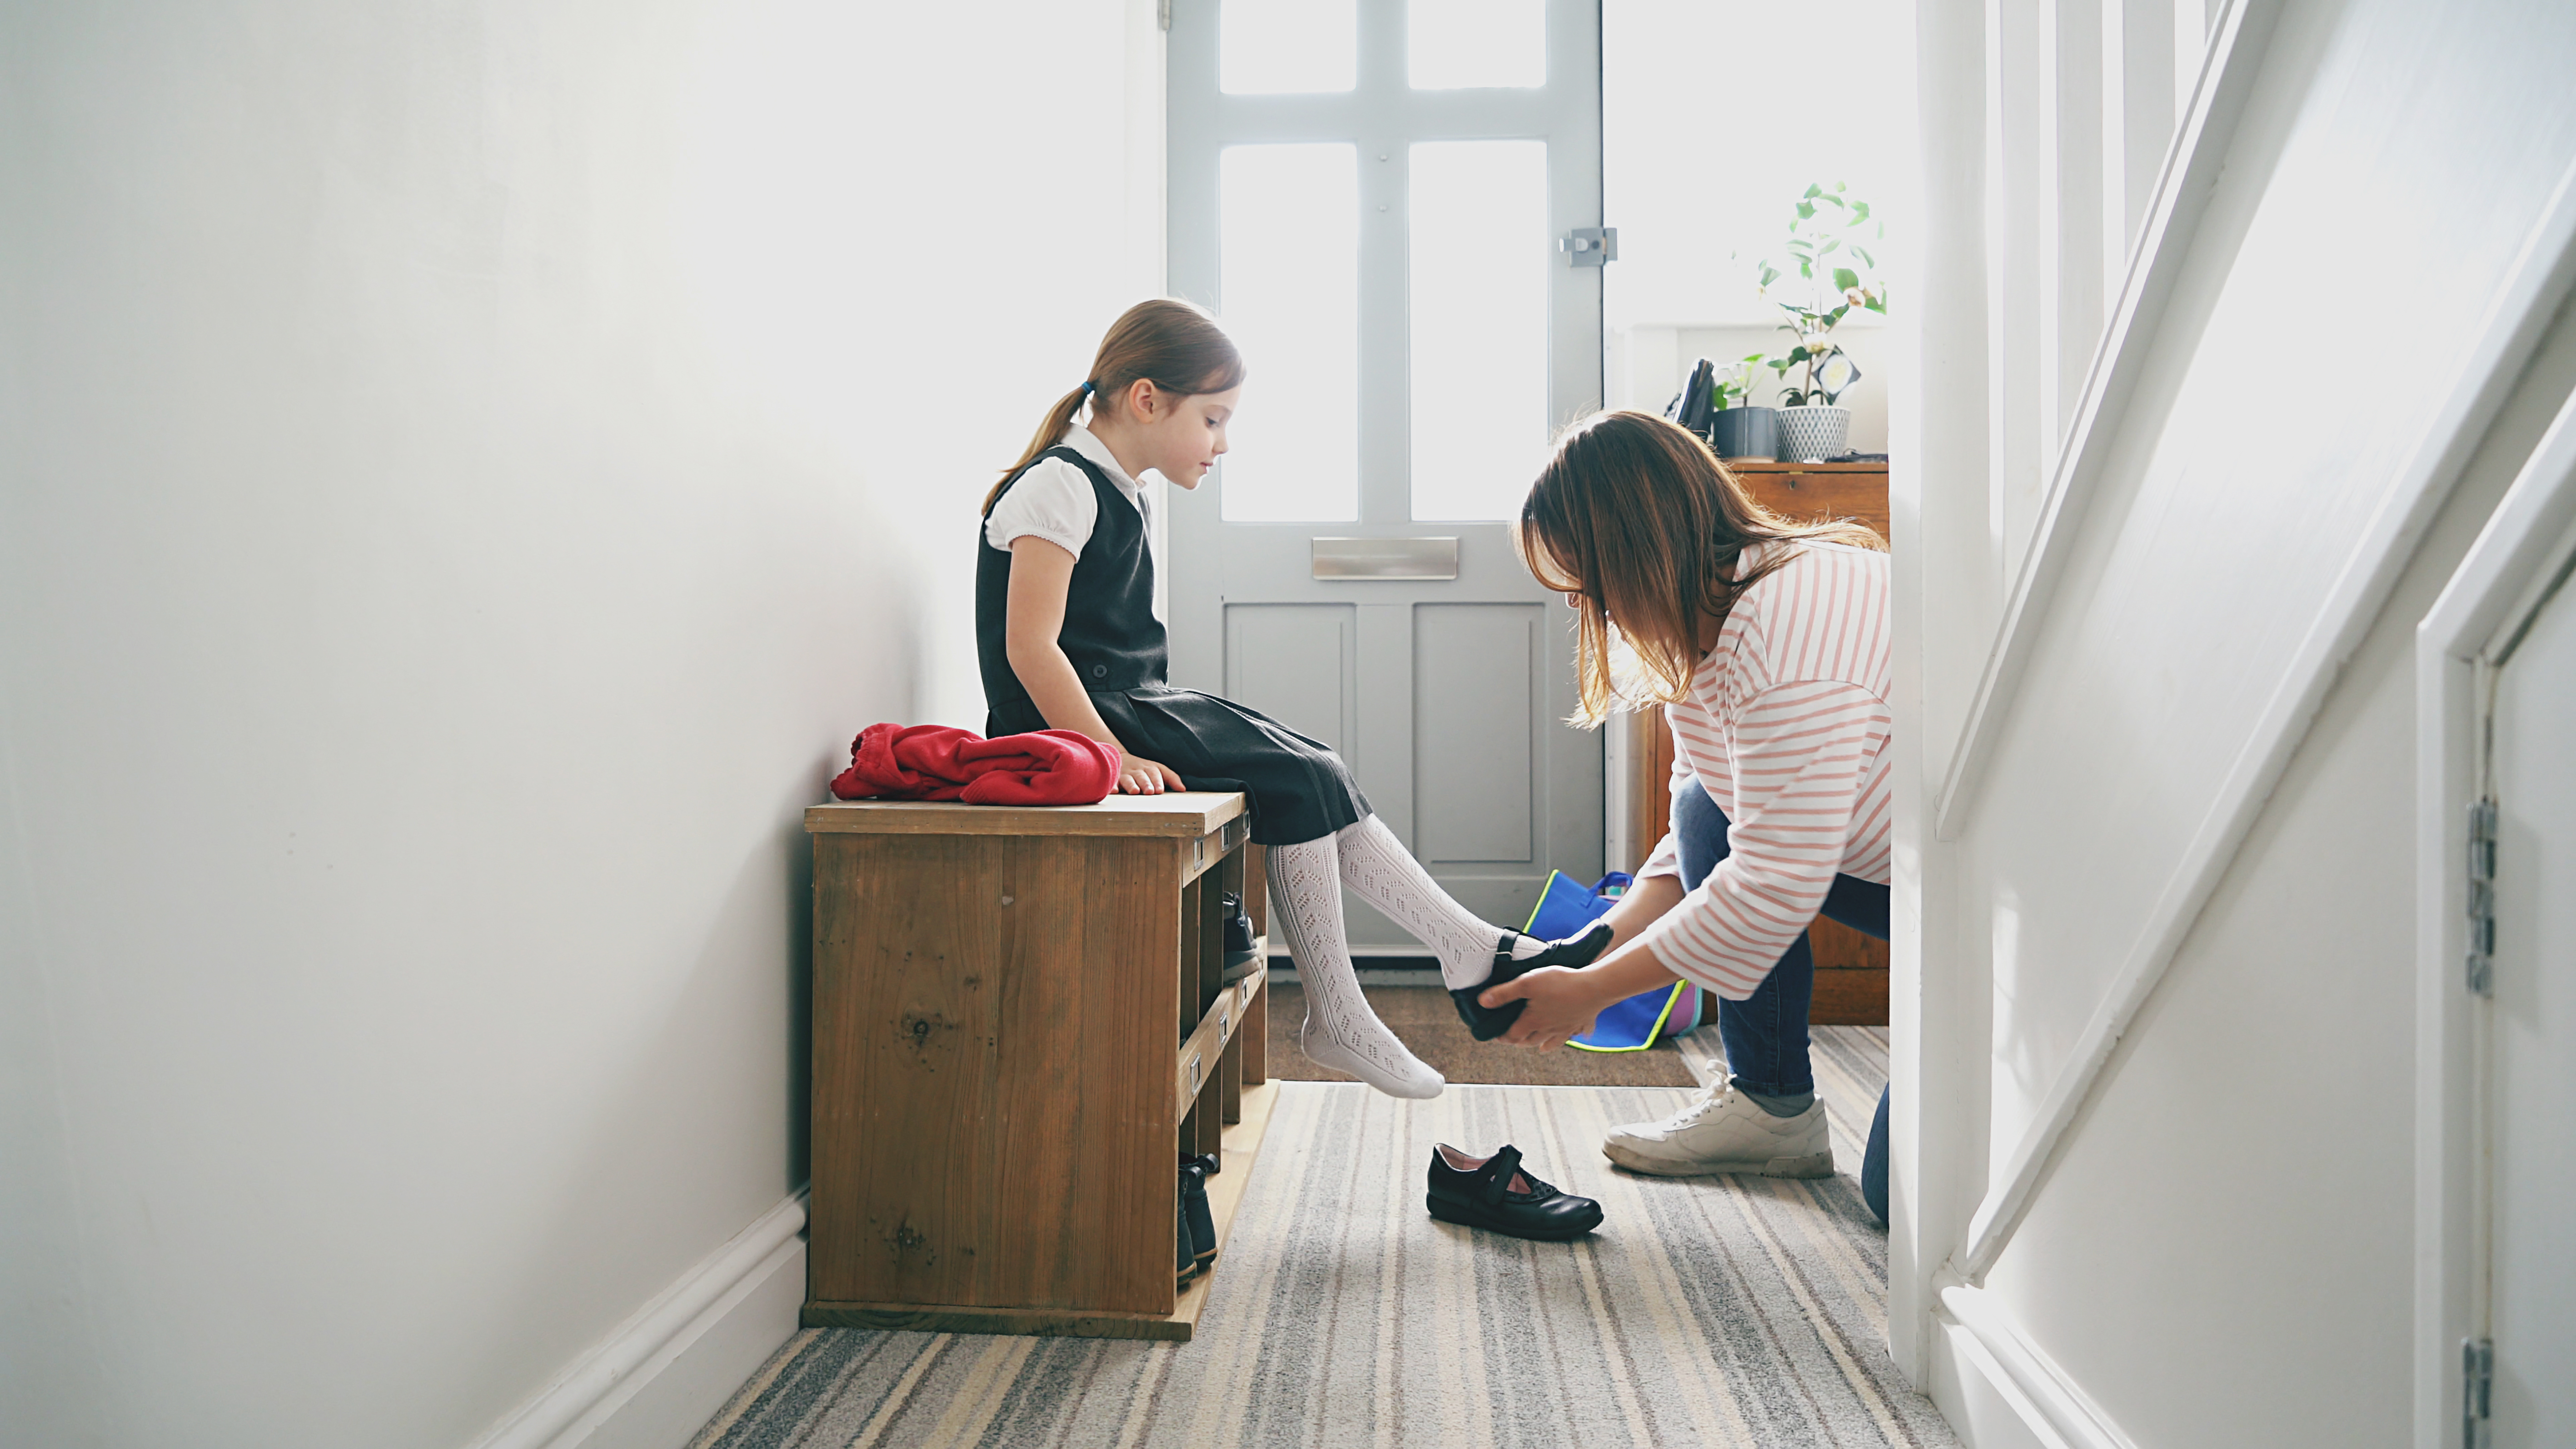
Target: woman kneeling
{"type": "Point", "coordinates": [1767, 644]}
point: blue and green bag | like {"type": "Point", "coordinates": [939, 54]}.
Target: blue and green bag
{"type": "Point", "coordinates": [1564, 908]}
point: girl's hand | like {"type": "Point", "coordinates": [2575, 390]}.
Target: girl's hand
{"type": "Point", "coordinates": [1140, 776]}
{"type": "Point", "coordinates": [1562, 1003]}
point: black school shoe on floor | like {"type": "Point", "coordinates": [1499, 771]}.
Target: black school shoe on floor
{"type": "Point", "coordinates": [1494, 1194]}
{"type": "Point", "coordinates": [1486, 1023]}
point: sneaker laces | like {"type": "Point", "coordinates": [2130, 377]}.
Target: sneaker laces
{"type": "Point", "coordinates": [1710, 1098]}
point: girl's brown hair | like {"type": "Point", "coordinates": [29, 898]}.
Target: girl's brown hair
{"type": "Point", "coordinates": [1175, 346]}
{"type": "Point", "coordinates": [1637, 516]}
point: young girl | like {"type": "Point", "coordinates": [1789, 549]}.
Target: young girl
{"type": "Point", "coordinates": [1767, 644]}
{"type": "Point", "coordinates": [1069, 638]}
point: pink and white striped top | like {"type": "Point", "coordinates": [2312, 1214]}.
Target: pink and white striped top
{"type": "Point", "coordinates": [1786, 727]}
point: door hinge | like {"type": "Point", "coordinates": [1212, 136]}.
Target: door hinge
{"type": "Point", "coordinates": [2480, 956]}
{"type": "Point", "coordinates": [2477, 1383]}
{"type": "Point", "coordinates": [1163, 13]}
{"type": "Point", "coordinates": [1589, 246]}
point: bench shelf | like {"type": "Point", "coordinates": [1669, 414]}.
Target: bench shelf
{"type": "Point", "coordinates": [1020, 1025]}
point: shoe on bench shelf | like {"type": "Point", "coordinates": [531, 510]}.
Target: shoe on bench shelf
{"type": "Point", "coordinates": [1494, 1194]}
{"type": "Point", "coordinates": [1723, 1130]}
{"type": "Point", "coordinates": [1239, 961]}
{"type": "Point", "coordinates": [1198, 1223]}
{"type": "Point", "coordinates": [1485, 1023]}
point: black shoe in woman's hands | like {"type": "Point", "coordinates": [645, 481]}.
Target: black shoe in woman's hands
{"type": "Point", "coordinates": [1488, 1022]}
{"type": "Point", "coordinates": [1494, 1194]}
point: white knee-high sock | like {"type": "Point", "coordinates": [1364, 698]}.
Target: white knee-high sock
{"type": "Point", "coordinates": [1341, 1031]}
{"type": "Point", "coordinates": [1386, 875]}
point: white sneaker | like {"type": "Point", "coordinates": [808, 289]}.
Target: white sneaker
{"type": "Point", "coordinates": [1722, 1130]}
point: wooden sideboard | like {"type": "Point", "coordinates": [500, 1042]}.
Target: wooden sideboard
{"type": "Point", "coordinates": [1021, 1024]}
{"type": "Point", "coordinates": [1851, 969]}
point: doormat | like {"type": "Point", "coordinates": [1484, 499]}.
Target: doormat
{"type": "Point", "coordinates": [1426, 1021]}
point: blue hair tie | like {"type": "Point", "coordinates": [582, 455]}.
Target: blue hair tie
{"type": "Point", "coordinates": [1086, 387]}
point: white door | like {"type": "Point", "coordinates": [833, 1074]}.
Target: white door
{"type": "Point", "coordinates": [2531, 1058]}
{"type": "Point", "coordinates": [1371, 193]}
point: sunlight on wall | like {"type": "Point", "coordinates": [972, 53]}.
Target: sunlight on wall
{"type": "Point", "coordinates": [1715, 116]}
{"type": "Point", "coordinates": [915, 308]}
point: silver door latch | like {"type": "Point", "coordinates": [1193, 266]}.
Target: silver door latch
{"type": "Point", "coordinates": [1589, 246]}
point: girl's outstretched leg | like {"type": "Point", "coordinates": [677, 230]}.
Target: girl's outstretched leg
{"type": "Point", "coordinates": [1376, 864]}
{"type": "Point", "coordinates": [1341, 1031]}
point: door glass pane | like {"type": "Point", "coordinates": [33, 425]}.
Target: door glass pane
{"type": "Point", "coordinates": [1457, 44]}
{"type": "Point", "coordinates": [1266, 47]}
{"type": "Point", "coordinates": [1289, 269]}
{"type": "Point", "coordinates": [1480, 266]}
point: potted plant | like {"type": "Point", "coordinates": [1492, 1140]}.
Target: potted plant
{"type": "Point", "coordinates": [1834, 276]}
{"type": "Point", "coordinates": [1717, 404]}
{"type": "Point", "coordinates": [1737, 427]}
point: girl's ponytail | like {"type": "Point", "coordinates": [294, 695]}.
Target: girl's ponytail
{"type": "Point", "coordinates": [1059, 420]}
{"type": "Point", "coordinates": [1177, 347]}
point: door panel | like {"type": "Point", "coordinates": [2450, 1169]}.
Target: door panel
{"type": "Point", "coordinates": [1451, 694]}
{"type": "Point", "coordinates": [2531, 1085]}
{"type": "Point", "coordinates": [1298, 664]}
{"type": "Point", "coordinates": [1475, 712]}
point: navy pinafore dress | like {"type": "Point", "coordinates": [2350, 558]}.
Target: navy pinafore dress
{"type": "Point", "coordinates": [1299, 789]}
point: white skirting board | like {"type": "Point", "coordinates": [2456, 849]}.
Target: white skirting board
{"type": "Point", "coordinates": [1999, 1391]}
{"type": "Point", "coordinates": [656, 1380]}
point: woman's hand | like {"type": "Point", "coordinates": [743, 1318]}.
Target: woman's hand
{"type": "Point", "coordinates": [1140, 776]}
{"type": "Point", "coordinates": [1562, 1003]}
{"type": "Point", "coordinates": [1563, 1000]}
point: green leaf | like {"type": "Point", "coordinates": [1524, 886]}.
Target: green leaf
{"type": "Point", "coordinates": [1814, 190]}
{"type": "Point", "coordinates": [1866, 259]}
{"type": "Point", "coordinates": [1806, 209]}
{"type": "Point", "coordinates": [1877, 305]}
{"type": "Point", "coordinates": [1770, 274]}
{"type": "Point", "coordinates": [1860, 212]}
{"type": "Point", "coordinates": [1827, 248]}
{"type": "Point", "coordinates": [1845, 278]}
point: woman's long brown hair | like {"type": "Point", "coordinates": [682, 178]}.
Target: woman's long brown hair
{"type": "Point", "coordinates": [1638, 517]}
{"type": "Point", "coordinates": [1170, 343]}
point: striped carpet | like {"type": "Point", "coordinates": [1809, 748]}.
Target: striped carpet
{"type": "Point", "coordinates": [1720, 1311]}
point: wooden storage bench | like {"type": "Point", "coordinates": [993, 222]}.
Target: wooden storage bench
{"type": "Point", "coordinates": [1020, 1025]}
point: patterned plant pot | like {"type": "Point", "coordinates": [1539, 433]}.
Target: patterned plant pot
{"type": "Point", "coordinates": [1745, 434]}
{"type": "Point", "coordinates": [1811, 435]}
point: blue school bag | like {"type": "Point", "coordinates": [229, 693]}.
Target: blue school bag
{"type": "Point", "coordinates": [1564, 908]}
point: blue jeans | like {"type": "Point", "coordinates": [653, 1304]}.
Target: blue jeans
{"type": "Point", "coordinates": [1766, 1033]}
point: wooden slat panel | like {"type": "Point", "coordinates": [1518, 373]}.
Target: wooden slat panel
{"type": "Point", "coordinates": [1225, 1200]}
{"type": "Point", "coordinates": [1186, 813]}
{"type": "Point", "coordinates": [1255, 1031]}
{"type": "Point", "coordinates": [986, 1133]}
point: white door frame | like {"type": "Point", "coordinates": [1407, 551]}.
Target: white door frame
{"type": "Point", "coordinates": [2500, 583]}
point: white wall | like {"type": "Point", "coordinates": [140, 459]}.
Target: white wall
{"type": "Point", "coordinates": [1716, 115]}
{"type": "Point", "coordinates": [2222, 1251]}
{"type": "Point", "coordinates": [466, 470]}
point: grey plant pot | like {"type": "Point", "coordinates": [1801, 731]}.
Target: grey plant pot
{"type": "Point", "coordinates": [1748, 433]}
{"type": "Point", "coordinates": [1811, 435]}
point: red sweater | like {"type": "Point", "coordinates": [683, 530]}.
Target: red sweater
{"type": "Point", "coordinates": [937, 762]}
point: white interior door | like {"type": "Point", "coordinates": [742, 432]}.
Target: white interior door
{"type": "Point", "coordinates": [1371, 194]}
{"type": "Point", "coordinates": [2531, 1058]}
